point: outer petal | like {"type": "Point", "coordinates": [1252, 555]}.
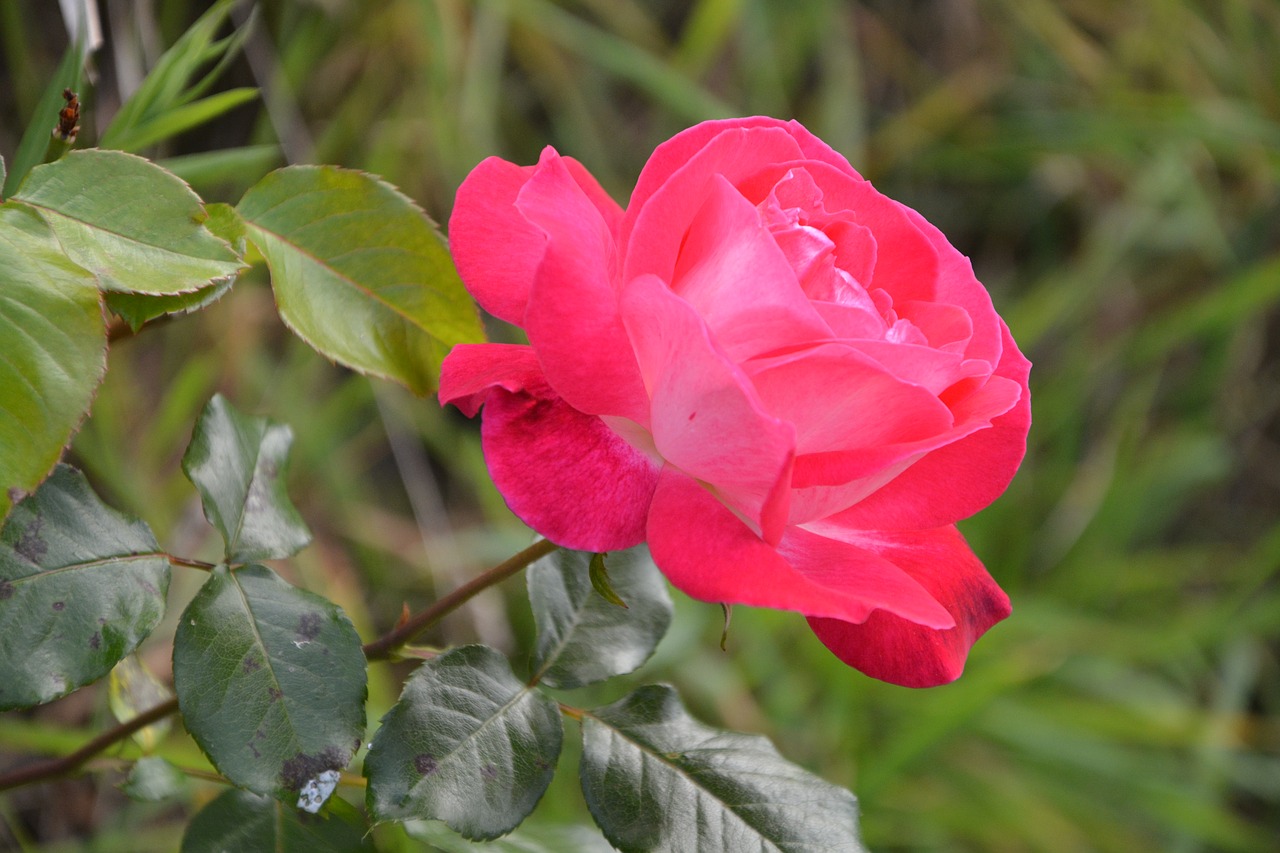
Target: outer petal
{"type": "Point", "coordinates": [681, 148]}
{"type": "Point", "coordinates": [471, 371]}
{"type": "Point", "coordinates": [955, 481]}
{"type": "Point", "coordinates": [655, 226]}
{"type": "Point", "coordinates": [738, 280]}
{"type": "Point", "coordinates": [706, 417]}
{"type": "Point", "coordinates": [902, 651]}
{"type": "Point", "coordinates": [572, 319]}
{"type": "Point", "coordinates": [566, 474]}
{"type": "Point", "coordinates": [495, 248]}
{"type": "Point", "coordinates": [709, 554]}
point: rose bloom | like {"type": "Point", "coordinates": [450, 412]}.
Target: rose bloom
{"type": "Point", "coordinates": [789, 385]}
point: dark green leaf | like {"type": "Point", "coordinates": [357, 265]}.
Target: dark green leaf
{"type": "Point", "coordinates": [53, 350]}
{"type": "Point", "coordinates": [35, 139]}
{"type": "Point", "coordinates": [271, 683]}
{"type": "Point", "coordinates": [153, 779]}
{"type": "Point", "coordinates": [582, 637]}
{"type": "Point", "coordinates": [360, 273]}
{"type": "Point", "coordinates": [656, 779]}
{"type": "Point", "coordinates": [132, 224]}
{"type": "Point", "coordinates": [528, 838]}
{"type": "Point", "coordinates": [241, 821]}
{"type": "Point", "coordinates": [237, 464]}
{"type": "Point", "coordinates": [80, 587]}
{"type": "Point", "coordinates": [467, 743]}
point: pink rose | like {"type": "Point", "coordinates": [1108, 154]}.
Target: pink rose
{"type": "Point", "coordinates": [790, 385]}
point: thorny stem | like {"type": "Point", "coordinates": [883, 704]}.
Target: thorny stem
{"type": "Point", "coordinates": [191, 564]}
{"type": "Point", "coordinates": [382, 648]}
{"type": "Point", "coordinates": [66, 764]}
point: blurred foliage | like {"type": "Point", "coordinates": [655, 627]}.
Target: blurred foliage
{"type": "Point", "coordinates": [1112, 169]}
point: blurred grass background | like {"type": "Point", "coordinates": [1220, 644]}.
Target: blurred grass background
{"type": "Point", "coordinates": [1111, 168]}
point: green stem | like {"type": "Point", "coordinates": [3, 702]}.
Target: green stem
{"type": "Point", "coordinates": [383, 647]}
{"type": "Point", "coordinates": [66, 764]}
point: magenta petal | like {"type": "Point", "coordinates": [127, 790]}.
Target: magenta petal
{"type": "Point", "coordinates": [572, 319]}
{"type": "Point", "coordinates": [902, 651]}
{"type": "Point", "coordinates": [709, 554]}
{"type": "Point", "coordinates": [484, 218]}
{"type": "Point", "coordinates": [955, 481]}
{"type": "Point", "coordinates": [566, 474]}
{"type": "Point", "coordinates": [735, 276]}
{"type": "Point", "coordinates": [706, 417]}
{"type": "Point", "coordinates": [839, 399]}
{"type": "Point", "coordinates": [654, 227]}
{"type": "Point", "coordinates": [471, 371]}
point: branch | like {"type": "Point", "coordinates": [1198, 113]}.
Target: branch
{"type": "Point", "coordinates": [381, 648]}
{"type": "Point", "coordinates": [68, 763]}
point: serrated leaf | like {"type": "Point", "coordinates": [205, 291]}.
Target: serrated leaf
{"type": "Point", "coordinates": [137, 309]}
{"type": "Point", "coordinates": [153, 780]}
{"type": "Point", "coordinates": [135, 226]}
{"type": "Point", "coordinates": [527, 839]}
{"type": "Point", "coordinates": [582, 637]}
{"type": "Point", "coordinates": [81, 585]}
{"type": "Point", "coordinates": [53, 350]}
{"type": "Point", "coordinates": [270, 681]}
{"type": "Point", "coordinates": [239, 820]}
{"type": "Point", "coordinates": [236, 463]}
{"type": "Point", "coordinates": [468, 743]}
{"type": "Point", "coordinates": [360, 273]}
{"type": "Point", "coordinates": [656, 779]}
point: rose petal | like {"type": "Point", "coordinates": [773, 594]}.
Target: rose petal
{"type": "Point", "coordinates": [839, 399]}
{"type": "Point", "coordinates": [471, 371]}
{"type": "Point", "coordinates": [709, 554]}
{"type": "Point", "coordinates": [734, 275]}
{"type": "Point", "coordinates": [609, 209]}
{"type": "Point", "coordinates": [957, 480]}
{"type": "Point", "coordinates": [655, 225]}
{"type": "Point", "coordinates": [485, 216]}
{"type": "Point", "coordinates": [673, 154]}
{"type": "Point", "coordinates": [706, 417]}
{"type": "Point", "coordinates": [903, 651]}
{"type": "Point", "coordinates": [566, 474]}
{"type": "Point", "coordinates": [572, 319]}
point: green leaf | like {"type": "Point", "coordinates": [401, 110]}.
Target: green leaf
{"type": "Point", "coordinates": [467, 743]}
{"type": "Point", "coordinates": [153, 780]}
{"type": "Point", "coordinates": [35, 139]}
{"type": "Point", "coordinates": [528, 838]}
{"type": "Point", "coordinates": [584, 638]}
{"type": "Point", "coordinates": [135, 226]}
{"type": "Point", "coordinates": [237, 462]}
{"type": "Point", "coordinates": [656, 779]}
{"type": "Point", "coordinates": [271, 683]}
{"type": "Point", "coordinates": [81, 585]}
{"type": "Point", "coordinates": [360, 273]}
{"type": "Point", "coordinates": [137, 309]}
{"type": "Point", "coordinates": [53, 350]}
{"type": "Point", "coordinates": [240, 167]}
{"type": "Point", "coordinates": [239, 820]}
